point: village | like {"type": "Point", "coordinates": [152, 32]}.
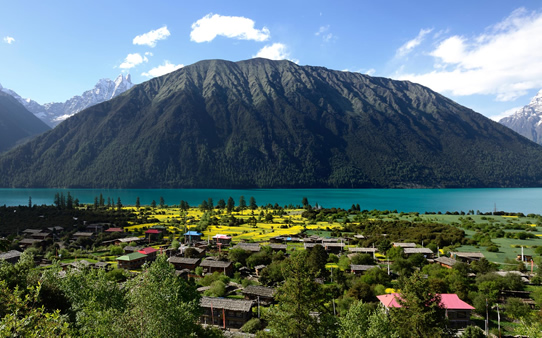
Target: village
{"type": "Point", "coordinates": [235, 256]}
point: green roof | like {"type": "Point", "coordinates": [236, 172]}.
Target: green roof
{"type": "Point", "coordinates": [131, 257]}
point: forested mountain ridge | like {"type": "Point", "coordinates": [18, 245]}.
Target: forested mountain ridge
{"type": "Point", "coordinates": [263, 123]}
{"type": "Point", "coordinates": [16, 123]}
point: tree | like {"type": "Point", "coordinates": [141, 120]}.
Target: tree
{"type": "Point", "coordinates": [30, 201]}
{"type": "Point", "coordinates": [69, 201]}
{"type": "Point", "coordinates": [420, 314]}
{"type": "Point", "coordinates": [305, 202]}
{"type": "Point", "coordinates": [160, 304]}
{"type": "Point", "coordinates": [138, 203]}
{"type": "Point", "coordinates": [242, 203]}
{"type": "Point", "coordinates": [473, 331]}
{"type": "Point", "coordinates": [210, 204]}
{"type": "Point", "coordinates": [162, 202]}
{"type": "Point", "coordinates": [363, 259]}
{"type": "Point", "coordinates": [153, 204]}
{"type": "Point", "coordinates": [102, 201]}
{"type": "Point", "coordinates": [364, 322]}
{"type": "Point", "coordinates": [297, 298]}
{"type": "Point", "coordinates": [230, 205]}
{"type": "Point", "coordinates": [252, 203]}
{"type": "Point", "coordinates": [119, 204]}
{"type": "Point", "coordinates": [221, 204]}
{"type": "Point", "coordinates": [204, 206]}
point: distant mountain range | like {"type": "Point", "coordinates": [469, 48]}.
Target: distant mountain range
{"type": "Point", "coordinates": [16, 123]}
{"type": "Point", "coordinates": [54, 113]}
{"type": "Point", "coordinates": [527, 121]}
{"type": "Point", "coordinates": [274, 124]}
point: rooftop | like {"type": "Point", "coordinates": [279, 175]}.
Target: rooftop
{"type": "Point", "coordinates": [448, 301]}
{"type": "Point", "coordinates": [131, 257]}
{"type": "Point", "coordinates": [257, 290]}
{"type": "Point", "coordinates": [214, 264]}
{"type": "Point", "coordinates": [183, 260]}
{"type": "Point", "coordinates": [226, 304]}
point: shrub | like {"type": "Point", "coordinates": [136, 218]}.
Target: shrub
{"type": "Point", "coordinates": [252, 326]}
{"type": "Point", "coordinates": [492, 248]}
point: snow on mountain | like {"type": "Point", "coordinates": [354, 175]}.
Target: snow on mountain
{"type": "Point", "coordinates": [55, 112]}
{"type": "Point", "coordinates": [527, 121]}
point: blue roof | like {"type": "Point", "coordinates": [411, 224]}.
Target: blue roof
{"type": "Point", "coordinates": [192, 233]}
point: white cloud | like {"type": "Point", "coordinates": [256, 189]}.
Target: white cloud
{"type": "Point", "coordinates": [505, 61]}
{"type": "Point", "coordinates": [370, 72]}
{"type": "Point", "coordinates": [276, 51]}
{"type": "Point", "coordinates": [504, 114]}
{"type": "Point", "coordinates": [9, 40]}
{"type": "Point", "coordinates": [237, 27]}
{"type": "Point", "coordinates": [323, 31]}
{"type": "Point", "coordinates": [410, 45]}
{"type": "Point", "coordinates": [133, 60]}
{"type": "Point", "coordinates": [163, 69]}
{"type": "Point", "coordinates": [150, 38]}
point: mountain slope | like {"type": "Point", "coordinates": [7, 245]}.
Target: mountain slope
{"type": "Point", "coordinates": [16, 123]}
{"type": "Point", "coordinates": [54, 113]}
{"type": "Point", "coordinates": [262, 123]}
{"type": "Point", "coordinates": [527, 121]}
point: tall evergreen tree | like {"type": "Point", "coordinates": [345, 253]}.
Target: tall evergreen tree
{"type": "Point", "coordinates": [138, 203]}
{"type": "Point", "coordinates": [252, 203]}
{"type": "Point", "coordinates": [231, 204]}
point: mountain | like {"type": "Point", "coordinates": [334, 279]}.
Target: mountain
{"type": "Point", "coordinates": [273, 124]}
{"type": "Point", "coordinates": [16, 123]}
{"type": "Point", "coordinates": [527, 121]}
{"type": "Point", "coordinates": [56, 112]}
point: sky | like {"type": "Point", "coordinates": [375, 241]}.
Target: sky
{"type": "Point", "coordinates": [486, 55]}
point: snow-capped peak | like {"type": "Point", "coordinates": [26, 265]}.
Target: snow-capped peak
{"type": "Point", "coordinates": [55, 112]}
{"type": "Point", "coordinates": [527, 120]}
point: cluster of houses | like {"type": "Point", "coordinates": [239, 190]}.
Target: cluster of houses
{"type": "Point", "coordinates": [234, 313]}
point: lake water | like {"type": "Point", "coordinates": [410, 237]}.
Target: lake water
{"type": "Point", "coordinates": [526, 200]}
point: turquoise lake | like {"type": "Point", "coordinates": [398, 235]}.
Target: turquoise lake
{"type": "Point", "coordinates": [526, 200]}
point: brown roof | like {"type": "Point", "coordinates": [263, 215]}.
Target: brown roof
{"type": "Point", "coordinates": [262, 291]}
{"type": "Point", "coordinates": [355, 267]}
{"type": "Point", "coordinates": [214, 264]}
{"type": "Point", "coordinates": [446, 260]}
{"type": "Point", "coordinates": [10, 254]}
{"type": "Point", "coordinates": [226, 304]}
{"type": "Point", "coordinates": [255, 247]}
{"type": "Point", "coordinates": [83, 234]}
{"type": "Point", "coordinates": [404, 245]}
{"type": "Point", "coordinates": [183, 260]}
{"type": "Point", "coordinates": [409, 251]}
{"type": "Point", "coordinates": [363, 250]}
{"type": "Point", "coordinates": [467, 254]}
{"type": "Point", "coordinates": [30, 241]}
{"type": "Point", "coordinates": [278, 246]}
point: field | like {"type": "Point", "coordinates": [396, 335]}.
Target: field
{"type": "Point", "coordinates": [257, 229]}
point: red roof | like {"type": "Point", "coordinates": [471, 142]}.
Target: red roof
{"type": "Point", "coordinates": [153, 231]}
{"type": "Point", "coordinates": [147, 251]}
{"type": "Point", "coordinates": [114, 230]}
{"type": "Point", "coordinates": [448, 301]}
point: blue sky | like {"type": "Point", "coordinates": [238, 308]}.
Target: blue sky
{"type": "Point", "coordinates": [486, 55]}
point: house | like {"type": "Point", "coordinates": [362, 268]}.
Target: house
{"type": "Point", "coordinates": [56, 229]}
{"type": "Point", "coordinates": [26, 242]}
{"type": "Point", "coordinates": [404, 245]}
{"type": "Point", "coordinates": [29, 232]}
{"type": "Point", "coordinates": [361, 269]}
{"type": "Point", "coordinates": [110, 230]}
{"type": "Point", "coordinates": [103, 265]}
{"type": "Point", "coordinates": [457, 311]}
{"type": "Point", "coordinates": [192, 236]}
{"type": "Point", "coordinates": [426, 252]}
{"type": "Point", "coordinates": [128, 240]}
{"type": "Point", "coordinates": [153, 234]}
{"type": "Point", "coordinates": [82, 234]}
{"type": "Point", "coordinates": [41, 235]}
{"type": "Point", "coordinates": [181, 263]}
{"type": "Point", "coordinates": [226, 313]}
{"type": "Point", "coordinates": [10, 256]}
{"type": "Point", "coordinates": [446, 262]}
{"type": "Point", "coordinates": [278, 247]}
{"type": "Point", "coordinates": [193, 251]}
{"type": "Point", "coordinates": [223, 240]}
{"type": "Point", "coordinates": [466, 257]}
{"type": "Point", "coordinates": [130, 249]}
{"type": "Point", "coordinates": [252, 247]}
{"type": "Point", "coordinates": [131, 261]}
{"type": "Point", "coordinates": [150, 252]}
{"type": "Point", "coordinates": [262, 294]}
{"type": "Point", "coordinates": [329, 247]}
{"type": "Point", "coordinates": [97, 227]}
{"type": "Point", "coordinates": [211, 265]}
{"type": "Point", "coordinates": [371, 251]}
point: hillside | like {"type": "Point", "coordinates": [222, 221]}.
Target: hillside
{"type": "Point", "coordinates": [262, 123]}
{"type": "Point", "coordinates": [16, 123]}
{"type": "Point", "coordinates": [527, 121]}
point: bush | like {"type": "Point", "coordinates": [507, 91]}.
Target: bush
{"type": "Point", "coordinates": [492, 248]}
{"type": "Point", "coordinates": [252, 326]}
{"type": "Point", "coordinates": [472, 331]}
